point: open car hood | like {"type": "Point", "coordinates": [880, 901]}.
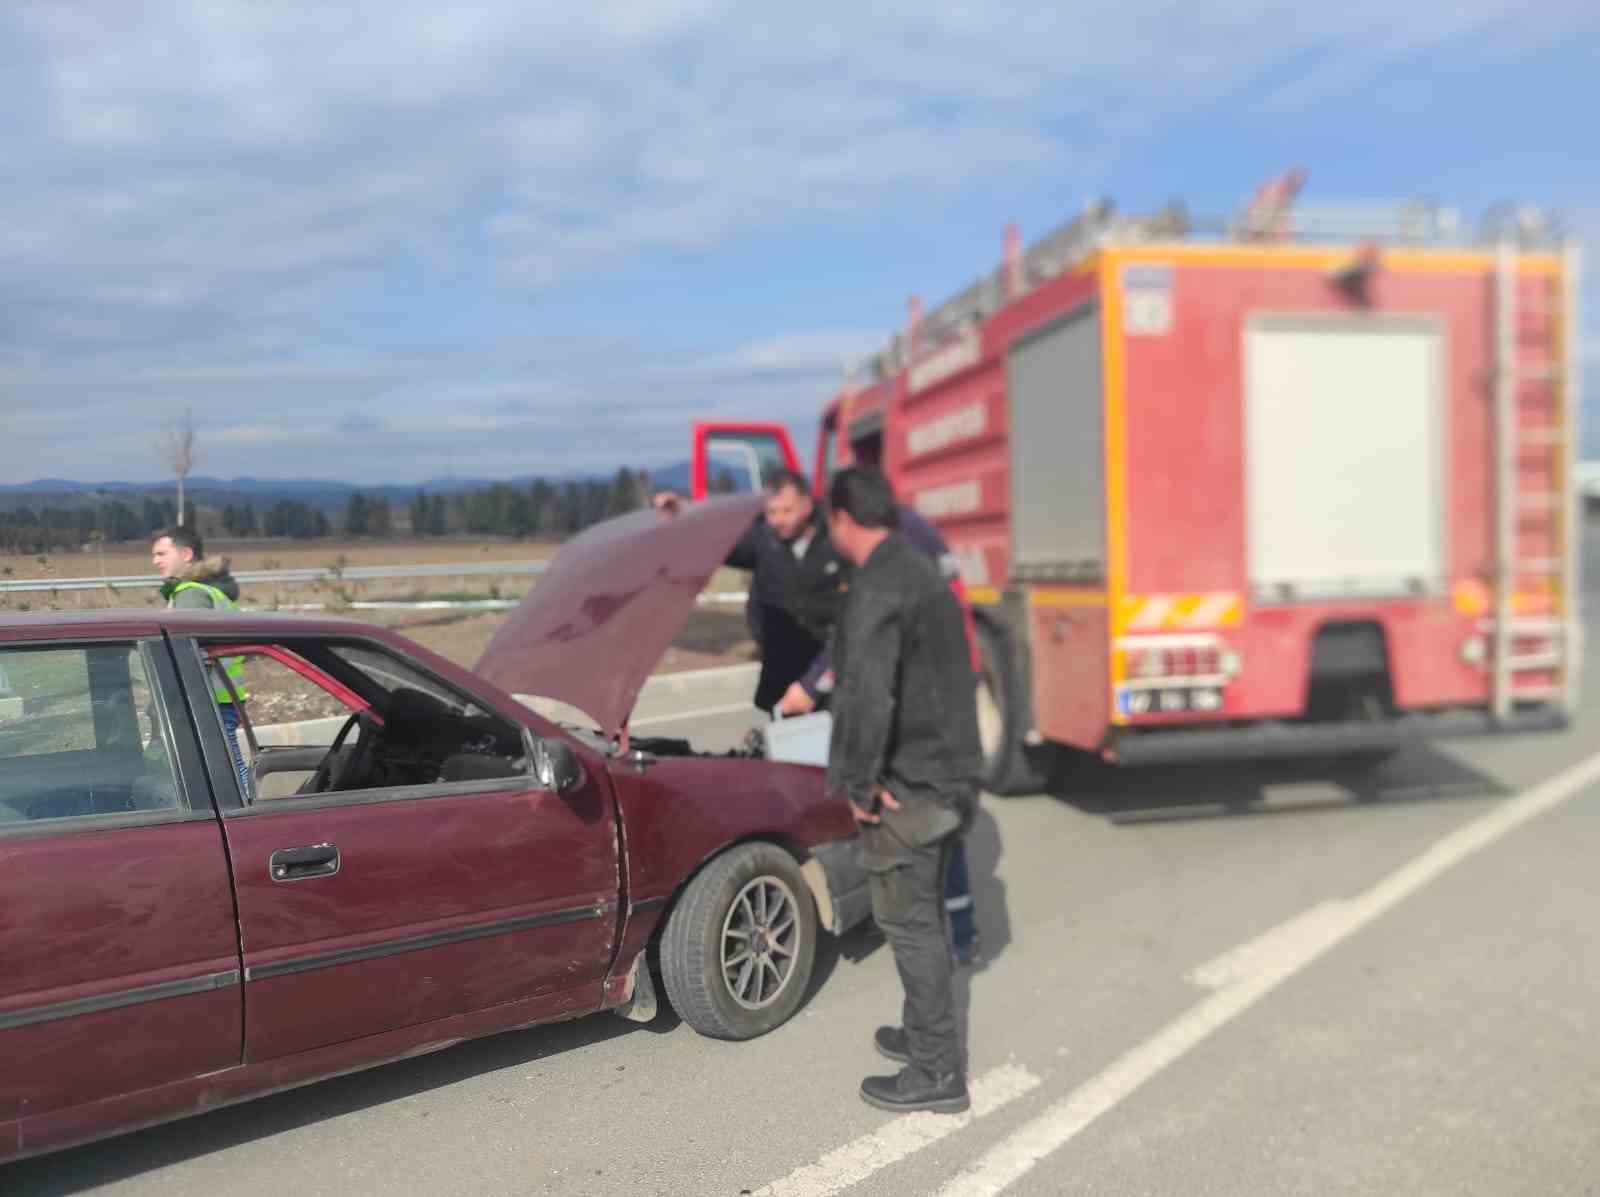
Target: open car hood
{"type": "Point", "coordinates": [597, 622]}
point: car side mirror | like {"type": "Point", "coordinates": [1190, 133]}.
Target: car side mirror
{"type": "Point", "coordinates": [556, 765]}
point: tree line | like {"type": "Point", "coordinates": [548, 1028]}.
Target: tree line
{"type": "Point", "coordinates": [544, 509]}
{"type": "Point", "coordinates": [28, 531]}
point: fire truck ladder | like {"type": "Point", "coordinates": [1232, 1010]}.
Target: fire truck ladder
{"type": "Point", "coordinates": [1536, 629]}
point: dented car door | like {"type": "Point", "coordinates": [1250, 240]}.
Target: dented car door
{"type": "Point", "coordinates": [366, 911]}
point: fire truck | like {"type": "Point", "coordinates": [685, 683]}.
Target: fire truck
{"type": "Point", "coordinates": [1296, 483]}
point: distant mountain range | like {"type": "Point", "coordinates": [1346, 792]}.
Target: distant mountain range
{"type": "Point", "coordinates": [67, 492]}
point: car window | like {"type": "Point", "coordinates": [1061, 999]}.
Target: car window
{"type": "Point", "coordinates": [81, 734]}
{"type": "Point", "coordinates": [740, 462]}
{"type": "Point", "coordinates": [418, 732]}
{"type": "Point", "coordinates": [390, 673]}
{"type": "Point", "coordinates": [278, 695]}
{"type": "Point", "coordinates": [294, 715]}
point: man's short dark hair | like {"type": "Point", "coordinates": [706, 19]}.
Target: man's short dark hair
{"type": "Point", "coordinates": [865, 495]}
{"type": "Point", "coordinates": [783, 479]}
{"type": "Point", "coordinates": [182, 537]}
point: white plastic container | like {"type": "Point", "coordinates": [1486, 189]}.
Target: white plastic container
{"type": "Point", "coordinates": [801, 740]}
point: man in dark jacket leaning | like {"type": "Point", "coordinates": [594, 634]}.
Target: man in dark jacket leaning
{"type": "Point", "coordinates": [905, 752]}
{"type": "Point", "coordinates": [794, 583]}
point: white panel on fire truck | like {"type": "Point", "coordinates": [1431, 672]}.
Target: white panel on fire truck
{"type": "Point", "coordinates": [1057, 455]}
{"type": "Point", "coordinates": [1344, 450]}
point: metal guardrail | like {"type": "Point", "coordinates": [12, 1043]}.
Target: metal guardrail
{"type": "Point", "coordinates": [709, 598]}
{"type": "Point", "coordinates": [349, 573]}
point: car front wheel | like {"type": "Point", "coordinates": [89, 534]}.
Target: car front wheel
{"type": "Point", "coordinates": [737, 952]}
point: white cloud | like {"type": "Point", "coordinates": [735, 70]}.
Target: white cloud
{"type": "Point", "coordinates": [820, 353]}
{"type": "Point", "coordinates": [247, 434]}
{"type": "Point", "coordinates": [206, 194]}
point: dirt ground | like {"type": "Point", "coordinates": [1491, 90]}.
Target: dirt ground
{"type": "Point", "coordinates": [715, 633]}
{"type": "Point", "coordinates": [712, 636]}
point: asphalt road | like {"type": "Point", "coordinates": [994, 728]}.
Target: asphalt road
{"type": "Point", "coordinates": [1232, 982]}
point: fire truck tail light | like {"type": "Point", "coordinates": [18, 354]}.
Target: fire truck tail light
{"type": "Point", "coordinates": [1143, 663]}
{"type": "Point", "coordinates": [1148, 662]}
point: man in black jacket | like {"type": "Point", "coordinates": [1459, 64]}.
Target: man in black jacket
{"type": "Point", "coordinates": [905, 752]}
{"type": "Point", "coordinates": [811, 692]}
{"type": "Point", "coordinates": [794, 582]}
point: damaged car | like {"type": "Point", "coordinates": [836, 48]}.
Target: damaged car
{"type": "Point", "coordinates": [417, 857]}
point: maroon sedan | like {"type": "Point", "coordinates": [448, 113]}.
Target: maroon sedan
{"type": "Point", "coordinates": [417, 857]}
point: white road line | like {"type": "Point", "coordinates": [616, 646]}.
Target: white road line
{"type": "Point", "coordinates": [856, 1161]}
{"type": "Point", "coordinates": [1247, 974]}
{"type": "Point", "coordinates": [1251, 957]}
{"type": "Point", "coordinates": [711, 673]}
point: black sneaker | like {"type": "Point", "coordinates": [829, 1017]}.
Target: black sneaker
{"type": "Point", "coordinates": [912, 1089]}
{"type": "Point", "coordinates": [892, 1044]}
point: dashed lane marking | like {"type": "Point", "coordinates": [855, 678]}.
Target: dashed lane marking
{"type": "Point", "coordinates": [907, 1134]}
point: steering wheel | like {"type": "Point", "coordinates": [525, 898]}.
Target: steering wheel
{"type": "Point", "coordinates": [323, 777]}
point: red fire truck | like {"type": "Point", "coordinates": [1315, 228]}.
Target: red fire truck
{"type": "Point", "coordinates": [1274, 487]}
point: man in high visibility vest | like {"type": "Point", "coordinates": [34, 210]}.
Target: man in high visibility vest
{"type": "Point", "coordinates": [189, 581]}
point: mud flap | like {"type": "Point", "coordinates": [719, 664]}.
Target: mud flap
{"type": "Point", "coordinates": [641, 1005]}
{"type": "Point", "coordinates": [849, 899]}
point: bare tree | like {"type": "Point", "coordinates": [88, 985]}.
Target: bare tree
{"type": "Point", "coordinates": [175, 445]}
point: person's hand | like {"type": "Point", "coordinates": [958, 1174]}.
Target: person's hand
{"type": "Point", "coordinates": [668, 501]}
{"type": "Point", "coordinates": [885, 799]}
{"type": "Point", "coordinates": [796, 701]}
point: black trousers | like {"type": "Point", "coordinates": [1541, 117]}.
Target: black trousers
{"type": "Point", "coordinates": [908, 904]}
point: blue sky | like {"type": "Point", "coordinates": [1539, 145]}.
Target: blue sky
{"type": "Point", "coordinates": [505, 238]}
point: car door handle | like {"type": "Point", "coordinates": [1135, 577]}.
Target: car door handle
{"type": "Point", "coordinates": [296, 864]}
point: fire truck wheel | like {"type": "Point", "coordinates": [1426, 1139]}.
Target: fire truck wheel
{"type": "Point", "coordinates": [1009, 765]}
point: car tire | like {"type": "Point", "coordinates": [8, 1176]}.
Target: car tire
{"type": "Point", "coordinates": [737, 953]}
{"type": "Point", "coordinates": [1009, 765]}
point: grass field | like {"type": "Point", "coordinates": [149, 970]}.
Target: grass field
{"type": "Point", "coordinates": [712, 636]}
{"type": "Point", "coordinates": [128, 559]}
{"type": "Point", "coordinates": [333, 555]}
